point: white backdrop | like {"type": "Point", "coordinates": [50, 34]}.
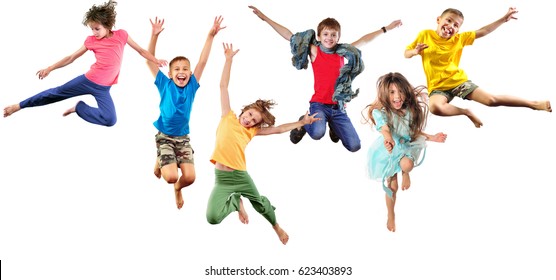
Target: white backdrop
{"type": "Point", "coordinates": [79, 201]}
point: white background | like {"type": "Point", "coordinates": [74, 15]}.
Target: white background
{"type": "Point", "coordinates": [79, 201]}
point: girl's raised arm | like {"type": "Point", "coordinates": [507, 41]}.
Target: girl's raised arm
{"type": "Point", "coordinates": [225, 79]}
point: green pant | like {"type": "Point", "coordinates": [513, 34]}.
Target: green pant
{"type": "Point", "coordinates": [225, 196]}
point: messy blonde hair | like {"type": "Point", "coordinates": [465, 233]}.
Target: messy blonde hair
{"type": "Point", "coordinates": [104, 14]}
{"type": "Point", "coordinates": [414, 102]}
{"type": "Point", "coordinates": [263, 106]}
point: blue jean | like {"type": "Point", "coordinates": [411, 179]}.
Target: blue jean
{"type": "Point", "coordinates": [105, 114]}
{"type": "Point", "coordinates": [338, 121]}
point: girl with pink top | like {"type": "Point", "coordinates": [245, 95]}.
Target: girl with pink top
{"type": "Point", "coordinates": [108, 46]}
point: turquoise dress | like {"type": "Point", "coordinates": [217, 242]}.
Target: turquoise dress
{"type": "Point", "coordinates": [381, 164]}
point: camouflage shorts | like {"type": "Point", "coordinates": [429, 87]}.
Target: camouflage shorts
{"type": "Point", "coordinates": [460, 91]}
{"type": "Point", "coordinates": [173, 149]}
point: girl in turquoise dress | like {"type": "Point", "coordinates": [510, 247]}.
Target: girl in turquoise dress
{"type": "Point", "coordinates": [399, 113]}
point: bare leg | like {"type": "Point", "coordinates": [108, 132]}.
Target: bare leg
{"type": "Point", "coordinates": [490, 100]}
{"type": "Point", "coordinates": [69, 111]}
{"type": "Point", "coordinates": [284, 237]}
{"type": "Point", "coordinates": [11, 109]}
{"type": "Point", "coordinates": [391, 202]}
{"type": "Point", "coordinates": [157, 171]}
{"type": "Point", "coordinates": [243, 217]}
{"type": "Point", "coordinates": [186, 179]}
{"type": "Point", "coordinates": [439, 106]}
{"type": "Point", "coordinates": [406, 165]}
{"type": "Point", "coordinates": [406, 181]}
{"type": "Point", "coordinates": [179, 197]}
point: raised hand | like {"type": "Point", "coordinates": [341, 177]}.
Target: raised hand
{"type": "Point", "coordinates": [229, 50]}
{"type": "Point", "coordinates": [157, 25]}
{"type": "Point", "coordinates": [216, 26]}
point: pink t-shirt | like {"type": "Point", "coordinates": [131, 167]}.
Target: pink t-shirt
{"type": "Point", "coordinates": [109, 54]}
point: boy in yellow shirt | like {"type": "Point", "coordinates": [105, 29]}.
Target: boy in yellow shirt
{"type": "Point", "coordinates": [441, 51]}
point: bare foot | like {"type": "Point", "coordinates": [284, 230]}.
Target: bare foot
{"type": "Point", "coordinates": [69, 111]}
{"type": "Point", "coordinates": [391, 222]}
{"type": "Point", "coordinates": [541, 105]}
{"type": "Point", "coordinates": [476, 121]}
{"type": "Point", "coordinates": [11, 109]}
{"type": "Point", "coordinates": [406, 181]}
{"type": "Point", "coordinates": [284, 237]}
{"type": "Point", "coordinates": [243, 217]}
{"type": "Point", "coordinates": [179, 197]}
{"type": "Point", "coordinates": [157, 171]}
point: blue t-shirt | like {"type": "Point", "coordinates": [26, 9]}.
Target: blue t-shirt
{"type": "Point", "coordinates": [175, 105]}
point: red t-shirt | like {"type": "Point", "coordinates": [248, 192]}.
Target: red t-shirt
{"type": "Point", "coordinates": [326, 70]}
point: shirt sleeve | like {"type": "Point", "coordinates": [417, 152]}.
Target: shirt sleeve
{"type": "Point", "coordinates": [380, 118]}
{"type": "Point", "coordinates": [418, 39]}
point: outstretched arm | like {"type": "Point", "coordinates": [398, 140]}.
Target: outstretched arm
{"type": "Point", "coordinates": [63, 62]}
{"type": "Point", "coordinates": [307, 119]}
{"type": "Point", "coordinates": [485, 30]}
{"type": "Point", "coordinates": [439, 137]}
{"type": "Point", "coordinates": [370, 36]}
{"type": "Point", "coordinates": [198, 72]}
{"type": "Point", "coordinates": [144, 53]}
{"type": "Point", "coordinates": [156, 29]}
{"type": "Point", "coordinates": [225, 79]}
{"type": "Point", "coordinates": [283, 31]}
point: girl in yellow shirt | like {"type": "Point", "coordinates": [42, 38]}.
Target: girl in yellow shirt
{"type": "Point", "coordinates": [232, 136]}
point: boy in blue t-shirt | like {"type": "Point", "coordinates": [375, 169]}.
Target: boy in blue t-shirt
{"type": "Point", "coordinates": [177, 92]}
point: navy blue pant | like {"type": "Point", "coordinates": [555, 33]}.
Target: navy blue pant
{"type": "Point", "coordinates": [105, 114]}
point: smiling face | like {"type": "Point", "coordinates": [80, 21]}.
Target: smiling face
{"type": "Point", "coordinates": [99, 31]}
{"type": "Point", "coordinates": [448, 25]}
{"type": "Point", "coordinates": [329, 37]}
{"type": "Point", "coordinates": [395, 97]}
{"type": "Point", "coordinates": [250, 118]}
{"type": "Point", "coordinates": [180, 72]}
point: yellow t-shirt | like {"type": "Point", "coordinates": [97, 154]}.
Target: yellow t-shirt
{"type": "Point", "coordinates": [231, 140]}
{"type": "Point", "coordinates": [441, 59]}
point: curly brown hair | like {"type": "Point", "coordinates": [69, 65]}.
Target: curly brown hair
{"type": "Point", "coordinates": [263, 106]}
{"type": "Point", "coordinates": [104, 14]}
{"type": "Point", "coordinates": [413, 102]}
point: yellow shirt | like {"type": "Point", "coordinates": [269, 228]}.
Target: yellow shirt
{"type": "Point", "coordinates": [441, 59]}
{"type": "Point", "coordinates": [231, 140]}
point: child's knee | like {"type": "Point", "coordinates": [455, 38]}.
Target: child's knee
{"type": "Point", "coordinates": [109, 121]}
{"type": "Point", "coordinates": [434, 109]}
{"type": "Point", "coordinates": [406, 164]}
{"type": "Point", "coordinates": [187, 180]}
{"type": "Point", "coordinates": [354, 147]}
{"type": "Point", "coordinates": [213, 219]}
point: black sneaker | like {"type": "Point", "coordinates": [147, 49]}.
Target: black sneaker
{"type": "Point", "coordinates": [297, 134]}
{"type": "Point", "coordinates": [332, 134]}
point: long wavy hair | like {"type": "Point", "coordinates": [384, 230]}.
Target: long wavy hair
{"type": "Point", "coordinates": [415, 101]}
